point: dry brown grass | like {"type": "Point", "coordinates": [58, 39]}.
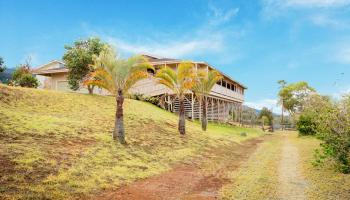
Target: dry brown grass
{"type": "Point", "coordinates": [57, 145]}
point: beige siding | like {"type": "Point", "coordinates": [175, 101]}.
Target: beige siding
{"type": "Point", "coordinates": [59, 82]}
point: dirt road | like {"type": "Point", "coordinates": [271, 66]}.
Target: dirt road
{"type": "Point", "coordinates": [188, 181]}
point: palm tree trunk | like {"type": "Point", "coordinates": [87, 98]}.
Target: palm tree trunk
{"type": "Point", "coordinates": [204, 114]}
{"type": "Point", "coordinates": [119, 119]}
{"type": "Point", "coordinates": [182, 120]}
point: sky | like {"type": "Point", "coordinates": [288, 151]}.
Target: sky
{"type": "Point", "coordinates": [256, 42]}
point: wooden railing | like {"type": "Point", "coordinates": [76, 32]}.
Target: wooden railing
{"type": "Point", "coordinates": [223, 92]}
{"type": "Point", "coordinates": [150, 87]}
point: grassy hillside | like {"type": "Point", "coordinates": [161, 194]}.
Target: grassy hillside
{"type": "Point", "coordinates": [59, 145]}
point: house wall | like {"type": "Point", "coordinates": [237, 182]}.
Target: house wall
{"type": "Point", "coordinates": [44, 81]}
{"type": "Point", "coordinates": [59, 82]}
{"type": "Point", "coordinates": [150, 87]}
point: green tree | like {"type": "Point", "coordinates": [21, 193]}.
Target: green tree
{"type": "Point", "coordinates": [78, 59]}
{"type": "Point", "coordinates": [294, 96]}
{"type": "Point", "coordinates": [2, 65]}
{"type": "Point", "coordinates": [267, 116]}
{"type": "Point", "coordinates": [205, 81]}
{"type": "Point", "coordinates": [306, 124]}
{"type": "Point", "coordinates": [179, 81]}
{"type": "Point", "coordinates": [117, 76]}
{"type": "Point", "coordinates": [22, 77]}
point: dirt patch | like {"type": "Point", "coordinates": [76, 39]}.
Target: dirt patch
{"type": "Point", "coordinates": [292, 183]}
{"type": "Point", "coordinates": [188, 180]}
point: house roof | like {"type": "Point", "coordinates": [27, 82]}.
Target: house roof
{"type": "Point", "coordinates": [50, 71]}
{"type": "Point", "coordinates": [43, 68]}
{"type": "Point", "coordinates": [49, 63]}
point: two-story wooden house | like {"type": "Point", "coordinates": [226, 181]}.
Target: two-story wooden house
{"type": "Point", "coordinates": [225, 100]}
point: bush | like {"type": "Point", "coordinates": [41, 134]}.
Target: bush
{"type": "Point", "coordinates": [23, 77]}
{"type": "Point", "coordinates": [306, 125]}
{"type": "Point", "coordinates": [141, 97]}
{"type": "Point", "coordinates": [28, 80]}
{"type": "Point", "coordinates": [331, 123]}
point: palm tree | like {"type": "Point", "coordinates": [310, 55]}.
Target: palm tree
{"type": "Point", "coordinates": [179, 81]}
{"type": "Point", "coordinates": [204, 83]}
{"type": "Point", "coordinates": [117, 76]}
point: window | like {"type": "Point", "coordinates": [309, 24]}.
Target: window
{"type": "Point", "coordinates": [223, 83]}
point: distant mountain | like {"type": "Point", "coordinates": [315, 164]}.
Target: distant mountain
{"type": "Point", "coordinates": [6, 75]}
{"type": "Point", "coordinates": [257, 111]}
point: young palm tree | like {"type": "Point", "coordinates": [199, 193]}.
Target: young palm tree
{"type": "Point", "coordinates": [204, 83]}
{"type": "Point", "coordinates": [179, 81]}
{"type": "Point", "coordinates": [117, 76]}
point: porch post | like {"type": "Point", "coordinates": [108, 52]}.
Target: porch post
{"type": "Point", "coordinates": [200, 110]}
{"type": "Point", "coordinates": [192, 106]}
{"type": "Point", "coordinates": [218, 110]}
{"type": "Point", "coordinates": [212, 110]}
{"type": "Point", "coordinates": [232, 111]}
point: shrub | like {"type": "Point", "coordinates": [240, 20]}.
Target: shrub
{"type": "Point", "coordinates": [306, 125]}
{"type": "Point", "coordinates": [28, 80]}
{"type": "Point", "coordinates": [142, 97]}
{"type": "Point", "coordinates": [22, 77]}
{"type": "Point", "coordinates": [332, 125]}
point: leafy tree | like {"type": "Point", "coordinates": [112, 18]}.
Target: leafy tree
{"type": "Point", "coordinates": [22, 77]}
{"type": "Point", "coordinates": [306, 125]}
{"type": "Point", "coordinates": [117, 76]}
{"type": "Point", "coordinates": [179, 81]}
{"type": "Point", "coordinates": [294, 95]}
{"type": "Point", "coordinates": [267, 116]}
{"type": "Point", "coordinates": [78, 59]}
{"type": "Point", "coordinates": [205, 81]}
{"type": "Point", "coordinates": [2, 65]}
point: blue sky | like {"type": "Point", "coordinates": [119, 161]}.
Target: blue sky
{"type": "Point", "coordinates": [256, 42]}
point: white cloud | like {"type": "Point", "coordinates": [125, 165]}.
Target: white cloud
{"type": "Point", "coordinates": [343, 55]}
{"type": "Point", "coordinates": [276, 8]}
{"type": "Point", "coordinates": [327, 21]}
{"type": "Point", "coordinates": [219, 16]}
{"type": "Point", "coordinates": [268, 103]}
{"type": "Point", "coordinates": [306, 3]}
{"type": "Point", "coordinates": [316, 3]}
{"type": "Point", "coordinates": [209, 38]}
{"type": "Point", "coordinates": [175, 48]}
{"type": "Point", "coordinates": [205, 39]}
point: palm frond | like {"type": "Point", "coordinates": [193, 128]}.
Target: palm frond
{"type": "Point", "coordinates": [115, 73]}
{"type": "Point", "coordinates": [205, 81]}
{"type": "Point", "coordinates": [133, 78]}
{"type": "Point", "coordinates": [167, 77]}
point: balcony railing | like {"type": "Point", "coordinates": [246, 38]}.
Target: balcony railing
{"type": "Point", "coordinates": [150, 87]}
